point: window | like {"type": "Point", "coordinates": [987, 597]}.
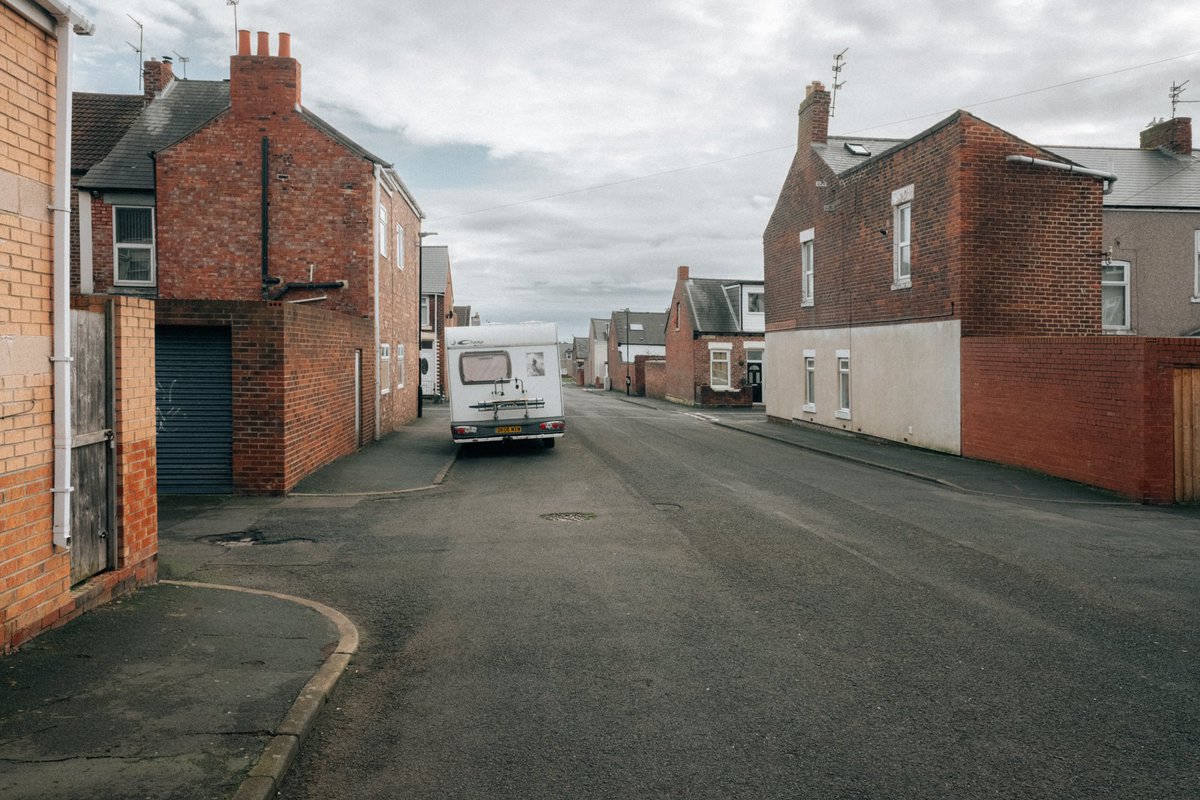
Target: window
{"type": "Point", "coordinates": [810, 381]}
{"type": "Point", "coordinates": [399, 366]}
{"type": "Point", "coordinates": [1196, 264]}
{"type": "Point", "coordinates": [806, 267]}
{"type": "Point", "coordinates": [754, 303]}
{"type": "Point", "coordinates": [843, 362]}
{"type": "Point", "coordinates": [677, 311]}
{"type": "Point", "coordinates": [636, 326]}
{"type": "Point", "coordinates": [399, 246]}
{"type": "Point", "coordinates": [425, 311]}
{"type": "Point", "coordinates": [385, 368]}
{"type": "Point", "coordinates": [383, 230]}
{"type": "Point", "coordinates": [718, 367]}
{"type": "Point", "coordinates": [902, 237]}
{"type": "Point", "coordinates": [484, 366]}
{"type": "Point", "coordinates": [1114, 295]}
{"type": "Point", "coordinates": [133, 240]}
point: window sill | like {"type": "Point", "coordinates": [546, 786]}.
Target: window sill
{"type": "Point", "coordinates": [1117, 331]}
{"type": "Point", "coordinates": [842, 414]}
{"type": "Point", "coordinates": [807, 303]}
{"type": "Point", "coordinates": [809, 408]}
{"type": "Point", "coordinates": [898, 285]}
{"type": "Point", "coordinates": [1195, 300]}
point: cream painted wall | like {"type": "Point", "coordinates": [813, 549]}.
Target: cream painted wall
{"type": "Point", "coordinates": [904, 380]}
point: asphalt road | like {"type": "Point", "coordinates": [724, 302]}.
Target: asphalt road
{"type": "Point", "coordinates": [660, 607]}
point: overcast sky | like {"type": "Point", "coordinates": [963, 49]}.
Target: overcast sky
{"type": "Point", "coordinates": [572, 153]}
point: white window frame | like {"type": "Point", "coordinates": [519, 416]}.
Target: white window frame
{"type": "Point", "coordinates": [426, 311]}
{"type": "Point", "coordinates": [807, 267]}
{"type": "Point", "coordinates": [844, 399]}
{"type": "Point", "coordinates": [902, 200]}
{"type": "Point", "coordinates": [1124, 284]}
{"type": "Point", "coordinates": [1196, 268]}
{"type": "Point", "coordinates": [118, 246]}
{"type": "Point", "coordinates": [810, 382]}
{"type": "Point", "coordinates": [724, 349]}
{"type": "Point", "coordinates": [400, 366]}
{"type": "Point", "coordinates": [762, 300]}
{"type": "Point", "coordinates": [383, 230]}
{"type": "Point", "coordinates": [399, 246]}
{"type": "Point", "coordinates": [385, 367]}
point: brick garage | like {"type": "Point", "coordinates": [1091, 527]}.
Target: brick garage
{"type": "Point", "coordinates": [293, 386]}
{"type": "Point", "coordinates": [1094, 409]}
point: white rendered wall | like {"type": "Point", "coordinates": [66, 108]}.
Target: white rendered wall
{"type": "Point", "coordinates": [904, 379]}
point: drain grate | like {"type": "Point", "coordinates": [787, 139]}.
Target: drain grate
{"type": "Point", "coordinates": [569, 516]}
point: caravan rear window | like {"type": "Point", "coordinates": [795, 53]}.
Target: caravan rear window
{"type": "Point", "coordinates": [485, 366]}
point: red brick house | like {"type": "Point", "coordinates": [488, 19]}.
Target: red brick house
{"type": "Point", "coordinates": [714, 342]}
{"type": "Point", "coordinates": [78, 509]}
{"type": "Point", "coordinates": [282, 257]}
{"type": "Point", "coordinates": [905, 277]}
{"type": "Point", "coordinates": [633, 337]}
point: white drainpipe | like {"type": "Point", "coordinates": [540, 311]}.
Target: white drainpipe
{"type": "Point", "coordinates": [67, 20]}
{"type": "Point", "coordinates": [1108, 178]}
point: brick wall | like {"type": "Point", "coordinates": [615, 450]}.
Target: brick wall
{"type": "Point", "coordinates": [656, 379]}
{"type": "Point", "coordinates": [1095, 409]}
{"type": "Point", "coordinates": [293, 386]}
{"type": "Point", "coordinates": [33, 574]}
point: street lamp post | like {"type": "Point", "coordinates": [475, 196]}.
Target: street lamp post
{"type": "Point", "coordinates": [628, 334]}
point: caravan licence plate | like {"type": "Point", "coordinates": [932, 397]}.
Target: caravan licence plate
{"type": "Point", "coordinates": [508, 429]}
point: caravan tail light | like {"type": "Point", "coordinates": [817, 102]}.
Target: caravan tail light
{"type": "Point", "coordinates": [556, 425]}
{"type": "Point", "coordinates": [463, 430]}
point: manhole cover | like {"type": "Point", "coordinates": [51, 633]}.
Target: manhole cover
{"type": "Point", "coordinates": [668, 506]}
{"type": "Point", "coordinates": [569, 516]}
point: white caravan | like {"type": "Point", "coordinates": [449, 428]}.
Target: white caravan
{"type": "Point", "coordinates": [504, 383]}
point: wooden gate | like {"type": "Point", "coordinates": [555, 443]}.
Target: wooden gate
{"type": "Point", "coordinates": [1187, 435]}
{"type": "Point", "coordinates": [93, 502]}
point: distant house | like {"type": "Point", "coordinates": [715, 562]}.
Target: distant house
{"type": "Point", "coordinates": [946, 291]}
{"type": "Point", "coordinates": [437, 313]}
{"type": "Point", "coordinates": [1150, 264]}
{"type": "Point", "coordinates": [715, 341]}
{"type": "Point", "coordinates": [634, 335]}
{"type": "Point", "coordinates": [464, 317]}
{"type": "Point", "coordinates": [579, 351]}
{"type": "Point", "coordinates": [595, 373]}
{"type": "Point", "coordinates": [282, 259]}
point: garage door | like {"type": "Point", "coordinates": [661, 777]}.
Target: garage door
{"type": "Point", "coordinates": [194, 396]}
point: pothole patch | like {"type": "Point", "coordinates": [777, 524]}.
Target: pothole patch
{"type": "Point", "coordinates": [248, 538]}
{"type": "Point", "coordinates": [569, 516]}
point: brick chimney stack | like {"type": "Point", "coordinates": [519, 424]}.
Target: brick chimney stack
{"type": "Point", "coordinates": [1174, 135]}
{"type": "Point", "coordinates": [814, 115]}
{"type": "Point", "coordinates": [156, 76]}
{"type": "Point", "coordinates": [261, 84]}
{"type": "Point", "coordinates": [682, 274]}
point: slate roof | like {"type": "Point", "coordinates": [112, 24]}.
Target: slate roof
{"type": "Point", "coordinates": [716, 304]}
{"type": "Point", "coordinates": [98, 121]}
{"type": "Point", "coordinates": [181, 109]}
{"type": "Point", "coordinates": [343, 139]}
{"type": "Point", "coordinates": [582, 349]}
{"type": "Point", "coordinates": [435, 268]}
{"type": "Point", "coordinates": [1145, 178]}
{"type": "Point", "coordinates": [839, 159]}
{"type": "Point", "coordinates": [653, 332]}
{"type": "Point", "coordinates": [463, 314]}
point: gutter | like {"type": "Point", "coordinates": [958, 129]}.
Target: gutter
{"type": "Point", "coordinates": [60, 208]}
{"type": "Point", "coordinates": [1108, 178]}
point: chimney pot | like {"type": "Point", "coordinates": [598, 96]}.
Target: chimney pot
{"type": "Point", "coordinates": [243, 43]}
{"type": "Point", "coordinates": [285, 45]}
{"type": "Point", "coordinates": [264, 44]}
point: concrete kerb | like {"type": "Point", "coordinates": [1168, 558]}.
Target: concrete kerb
{"type": "Point", "coordinates": [438, 480]}
{"type": "Point", "coordinates": [263, 781]}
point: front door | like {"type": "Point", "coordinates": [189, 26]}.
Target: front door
{"type": "Point", "coordinates": [92, 501]}
{"type": "Point", "coordinates": [754, 373]}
